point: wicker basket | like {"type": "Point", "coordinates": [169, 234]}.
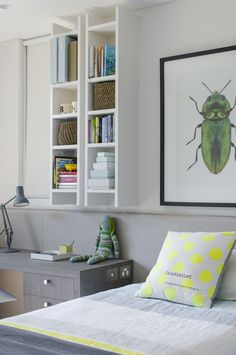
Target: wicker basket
{"type": "Point", "coordinates": [104, 95]}
{"type": "Point", "coordinates": [67, 133]}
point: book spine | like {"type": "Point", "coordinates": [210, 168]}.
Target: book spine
{"type": "Point", "coordinates": [53, 59]}
{"type": "Point", "coordinates": [104, 60]}
{"type": "Point", "coordinates": [113, 128]}
{"type": "Point", "coordinates": [105, 154]}
{"type": "Point", "coordinates": [63, 44]}
{"type": "Point", "coordinates": [68, 174]}
{"type": "Point", "coordinates": [91, 62]}
{"type": "Point", "coordinates": [89, 131]}
{"type": "Point", "coordinates": [72, 60]}
{"type": "Point", "coordinates": [97, 130]}
{"type": "Point", "coordinates": [109, 128]}
{"type": "Point", "coordinates": [93, 136]}
{"type": "Point", "coordinates": [66, 186]}
{"type": "Point", "coordinates": [67, 179]}
{"type": "Point", "coordinates": [102, 166]}
{"type": "Point", "coordinates": [102, 55]}
{"type": "Point", "coordinates": [96, 62]}
{"type": "Point", "coordinates": [105, 159]}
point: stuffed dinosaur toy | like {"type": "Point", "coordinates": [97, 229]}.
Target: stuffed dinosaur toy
{"type": "Point", "coordinates": [107, 244]}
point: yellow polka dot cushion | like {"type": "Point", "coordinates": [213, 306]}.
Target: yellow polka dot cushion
{"type": "Point", "coordinates": [189, 268]}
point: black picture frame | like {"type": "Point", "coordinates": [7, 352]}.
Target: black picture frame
{"type": "Point", "coordinates": [163, 200]}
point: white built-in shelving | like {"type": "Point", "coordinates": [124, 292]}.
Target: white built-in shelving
{"type": "Point", "coordinates": [121, 29]}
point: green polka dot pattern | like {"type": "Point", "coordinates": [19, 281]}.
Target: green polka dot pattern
{"type": "Point", "coordinates": [189, 268]}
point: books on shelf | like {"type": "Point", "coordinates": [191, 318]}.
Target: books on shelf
{"type": "Point", "coordinates": [105, 159]}
{"type": "Point", "coordinates": [101, 60]}
{"type": "Point", "coordinates": [101, 184]}
{"type": "Point", "coordinates": [102, 176]}
{"type": "Point", "coordinates": [65, 172]}
{"type": "Point", "coordinates": [101, 129]}
{"type": "Point", "coordinates": [63, 59]}
{"type": "Point", "coordinates": [98, 166]}
{"type": "Point", "coordinates": [102, 173]}
{"type": "Point", "coordinates": [105, 154]}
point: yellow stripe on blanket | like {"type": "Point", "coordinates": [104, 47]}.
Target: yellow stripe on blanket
{"type": "Point", "coordinates": [82, 341]}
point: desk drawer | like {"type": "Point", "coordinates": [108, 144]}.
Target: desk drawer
{"type": "Point", "coordinates": [32, 303]}
{"type": "Point", "coordinates": [56, 287]}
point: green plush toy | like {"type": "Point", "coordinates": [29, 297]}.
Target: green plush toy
{"type": "Point", "coordinates": [107, 244]}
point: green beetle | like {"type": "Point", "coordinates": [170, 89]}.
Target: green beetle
{"type": "Point", "coordinates": [215, 131]}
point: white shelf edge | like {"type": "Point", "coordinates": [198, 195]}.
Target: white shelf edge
{"type": "Point", "coordinates": [101, 112]}
{"type": "Point", "coordinates": [103, 27]}
{"type": "Point", "coordinates": [67, 85]}
{"type": "Point", "coordinates": [64, 190]}
{"type": "Point", "coordinates": [64, 116]}
{"type": "Point", "coordinates": [99, 79]}
{"type": "Point", "coordinates": [101, 145]}
{"type": "Point", "coordinates": [111, 191]}
{"type": "Point", "coordinates": [64, 147]}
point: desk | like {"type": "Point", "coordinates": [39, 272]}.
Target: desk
{"type": "Point", "coordinates": [39, 284]}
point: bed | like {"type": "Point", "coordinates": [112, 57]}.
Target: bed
{"type": "Point", "coordinates": [116, 321]}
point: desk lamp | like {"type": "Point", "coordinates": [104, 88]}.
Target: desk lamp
{"type": "Point", "coordinates": [20, 201]}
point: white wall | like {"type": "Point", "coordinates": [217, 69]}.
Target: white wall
{"type": "Point", "coordinates": [38, 122]}
{"type": "Point", "coordinates": [179, 27]}
{"type": "Point", "coordinates": [11, 116]}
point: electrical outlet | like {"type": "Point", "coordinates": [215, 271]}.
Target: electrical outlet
{"type": "Point", "coordinates": [112, 274]}
{"type": "Point", "coordinates": [125, 271]}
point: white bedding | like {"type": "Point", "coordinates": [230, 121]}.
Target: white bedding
{"type": "Point", "coordinates": [118, 321]}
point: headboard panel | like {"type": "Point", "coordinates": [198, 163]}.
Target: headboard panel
{"type": "Point", "coordinates": [141, 235]}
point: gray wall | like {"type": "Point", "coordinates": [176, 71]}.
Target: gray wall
{"type": "Point", "coordinates": [174, 28]}
{"type": "Point", "coordinates": [141, 235]}
{"type": "Point", "coordinates": [178, 27]}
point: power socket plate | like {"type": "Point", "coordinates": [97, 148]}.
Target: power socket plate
{"type": "Point", "coordinates": [125, 271]}
{"type": "Point", "coordinates": [112, 274]}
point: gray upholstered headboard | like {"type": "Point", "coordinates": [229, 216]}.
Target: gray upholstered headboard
{"type": "Point", "coordinates": [141, 235]}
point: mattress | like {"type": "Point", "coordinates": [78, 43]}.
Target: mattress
{"type": "Point", "coordinates": [118, 322]}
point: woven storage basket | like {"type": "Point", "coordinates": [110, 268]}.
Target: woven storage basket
{"type": "Point", "coordinates": [67, 133]}
{"type": "Point", "coordinates": [104, 95]}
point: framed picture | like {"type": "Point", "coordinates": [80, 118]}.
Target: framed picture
{"type": "Point", "coordinates": [198, 129]}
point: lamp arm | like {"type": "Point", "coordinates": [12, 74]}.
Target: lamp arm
{"type": "Point", "coordinates": [7, 225]}
{"type": "Point", "coordinates": [6, 203]}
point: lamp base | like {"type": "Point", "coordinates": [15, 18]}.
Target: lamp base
{"type": "Point", "coordinates": [9, 250]}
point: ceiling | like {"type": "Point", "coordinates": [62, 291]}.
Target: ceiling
{"type": "Point", "coordinates": [32, 18]}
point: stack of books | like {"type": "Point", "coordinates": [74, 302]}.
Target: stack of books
{"type": "Point", "coordinates": [65, 173]}
{"type": "Point", "coordinates": [102, 60]}
{"type": "Point", "coordinates": [102, 176]}
{"type": "Point", "coordinates": [101, 129]}
{"type": "Point", "coordinates": [63, 59]}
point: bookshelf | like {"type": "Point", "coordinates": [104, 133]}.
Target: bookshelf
{"type": "Point", "coordinates": [65, 91]}
{"type": "Point", "coordinates": [120, 30]}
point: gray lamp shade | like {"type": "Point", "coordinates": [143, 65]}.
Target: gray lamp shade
{"type": "Point", "coordinates": [20, 200]}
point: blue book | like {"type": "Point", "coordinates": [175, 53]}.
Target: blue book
{"type": "Point", "coordinates": [63, 47]}
{"type": "Point", "coordinates": [109, 119]}
{"type": "Point", "coordinates": [109, 59]}
{"type": "Point", "coordinates": [104, 129]}
{"type": "Point", "coordinates": [53, 60]}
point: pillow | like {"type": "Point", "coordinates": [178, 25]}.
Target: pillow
{"type": "Point", "coordinates": [189, 268]}
{"type": "Point", "coordinates": [227, 290]}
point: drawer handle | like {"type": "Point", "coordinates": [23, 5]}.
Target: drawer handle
{"type": "Point", "coordinates": [46, 282]}
{"type": "Point", "coordinates": [46, 304]}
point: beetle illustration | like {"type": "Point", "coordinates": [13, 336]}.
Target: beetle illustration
{"type": "Point", "coordinates": [216, 129]}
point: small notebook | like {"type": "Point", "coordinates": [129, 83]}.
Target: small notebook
{"type": "Point", "coordinates": [50, 255]}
